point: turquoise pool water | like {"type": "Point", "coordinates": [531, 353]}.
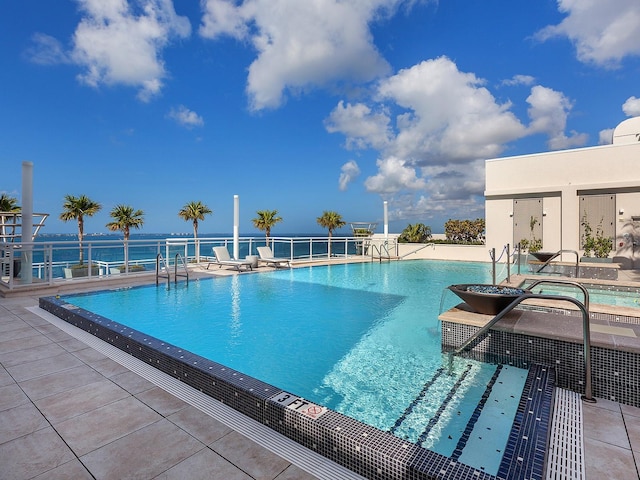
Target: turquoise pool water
{"type": "Point", "coordinates": [361, 339]}
{"type": "Point", "coordinates": [602, 294]}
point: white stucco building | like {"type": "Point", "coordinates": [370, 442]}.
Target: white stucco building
{"type": "Point", "coordinates": [549, 195]}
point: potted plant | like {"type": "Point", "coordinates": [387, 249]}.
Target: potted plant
{"type": "Point", "coordinates": [81, 271]}
{"type": "Point", "coordinates": [532, 244]}
{"type": "Point", "coordinates": [597, 244]}
{"type": "Point", "coordinates": [132, 268]}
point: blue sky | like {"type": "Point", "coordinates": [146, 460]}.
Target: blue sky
{"type": "Point", "coordinates": [301, 106]}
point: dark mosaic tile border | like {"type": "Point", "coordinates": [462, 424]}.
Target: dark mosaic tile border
{"type": "Point", "coordinates": [586, 271]}
{"type": "Point", "coordinates": [370, 452]}
{"type": "Point", "coordinates": [615, 373]}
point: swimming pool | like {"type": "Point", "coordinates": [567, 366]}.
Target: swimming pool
{"type": "Point", "coordinates": [361, 339]}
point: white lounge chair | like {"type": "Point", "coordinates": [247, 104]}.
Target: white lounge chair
{"type": "Point", "coordinates": [266, 256]}
{"type": "Point", "coordinates": [223, 259]}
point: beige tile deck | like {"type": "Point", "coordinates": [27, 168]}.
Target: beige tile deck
{"type": "Point", "coordinates": [67, 411]}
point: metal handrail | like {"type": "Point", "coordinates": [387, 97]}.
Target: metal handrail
{"type": "Point", "coordinates": [557, 254]}
{"type": "Point", "coordinates": [161, 262]}
{"type": "Point", "coordinates": [588, 396]}
{"type": "Point", "coordinates": [418, 249]}
{"type": "Point", "coordinates": [175, 269]}
{"type": "Point", "coordinates": [571, 283]}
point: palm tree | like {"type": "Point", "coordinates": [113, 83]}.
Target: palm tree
{"type": "Point", "coordinates": [265, 220]}
{"type": "Point", "coordinates": [416, 233]}
{"type": "Point", "coordinates": [76, 208]}
{"type": "Point", "coordinates": [330, 220]}
{"type": "Point", "coordinates": [195, 211]}
{"type": "Point", "coordinates": [8, 205]}
{"type": "Point", "coordinates": [125, 218]}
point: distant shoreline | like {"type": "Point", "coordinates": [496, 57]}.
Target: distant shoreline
{"type": "Point", "coordinates": [134, 236]}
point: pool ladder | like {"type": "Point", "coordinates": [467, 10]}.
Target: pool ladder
{"type": "Point", "coordinates": [382, 251]}
{"type": "Point", "coordinates": [161, 265]}
{"type": "Point", "coordinates": [582, 306]}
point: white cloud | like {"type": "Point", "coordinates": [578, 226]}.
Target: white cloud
{"type": "Point", "coordinates": [186, 117]}
{"type": "Point", "coordinates": [117, 43]}
{"type": "Point", "coordinates": [519, 80]}
{"type": "Point", "coordinates": [223, 17]}
{"type": "Point", "coordinates": [631, 107]}
{"type": "Point", "coordinates": [447, 115]}
{"type": "Point", "coordinates": [457, 182]}
{"type": "Point", "coordinates": [362, 127]}
{"type": "Point", "coordinates": [46, 50]}
{"type": "Point", "coordinates": [393, 176]}
{"type": "Point", "coordinates": [548, 112]}
{"type": "Point", "coordinates": [605, 137]}
{"type": "Point", "coordinates": [434, 125]}
{"type": "Point", "coordinates": [603, 32]}
{"type": "Point", "coordinates": [445, 124]}
{"type": "Point", "coordinates": [300, 44]}
{"type": "Point", "coordinates": [348, 173]}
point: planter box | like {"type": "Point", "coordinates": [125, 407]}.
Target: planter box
{"type": "Point", "coordinates": [132, 269]}
{"type": "Point", "coordinates": [596, 260]}
{"type": "Point", "coordinates": [75, 272]}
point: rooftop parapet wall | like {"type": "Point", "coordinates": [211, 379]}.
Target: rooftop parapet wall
{"type": "Point", "coordinates": [607, 166]}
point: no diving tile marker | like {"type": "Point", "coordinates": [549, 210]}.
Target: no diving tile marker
{"type": "Point", "coordinates": [298, 404]}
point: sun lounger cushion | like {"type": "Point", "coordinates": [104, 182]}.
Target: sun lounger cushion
{"type": "Point", "coordinates": [266, 256]}
{"type": "Point", "coordinates": [223, 259]}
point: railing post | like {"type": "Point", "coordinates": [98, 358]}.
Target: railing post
{"type": "Point", "coordinates": [493, 265]}
{"type": "Point", "coordinates": [90, 261]}
{"type": "Point", "coordinates": [50, 264]}
{"type": "Point", "coordinates": [508, 264]}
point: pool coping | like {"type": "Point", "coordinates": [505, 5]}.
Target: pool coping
{"type": "Point", "coordinates": [363, 449]}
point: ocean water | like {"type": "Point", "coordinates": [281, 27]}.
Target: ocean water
{"type": "Point", "coordinates": [107, 250]}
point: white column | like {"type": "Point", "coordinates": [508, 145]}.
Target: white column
{"type": "Point", "coordinates": [386, 220]}
{"type": "Point", "coordinates": [26, 272]}
{"type": "Point", "coordinates": [236, 226]}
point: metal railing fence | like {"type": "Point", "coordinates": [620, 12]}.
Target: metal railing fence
{"type": "Point", "coordinates": [53, 261]}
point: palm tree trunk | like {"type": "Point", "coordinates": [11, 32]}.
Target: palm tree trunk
{"type": "Point", "coordinates": [80, 237]}
{"type": "Point", "coordinates": [196, 241]}
{"type": "Point", "coordinates": [126, 249]}
{"type": "Point", "coordinates": [126, 255]}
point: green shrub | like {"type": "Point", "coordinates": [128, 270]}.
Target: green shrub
{"type": "Point", "coordinates": [600, 245]}
{"type": "Point", "coordinates": [465, 231]}
{"type": "Point", "coordinates": [416, 233]}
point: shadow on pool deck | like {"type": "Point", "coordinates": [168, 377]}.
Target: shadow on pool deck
{"type": "Point", "coordinates": [68, 411]}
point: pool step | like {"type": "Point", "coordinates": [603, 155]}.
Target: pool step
{"type": "Point", "coordinates": [438, 403]}
{"type": "Point", "coordinates": [473, 431]}
{"type": "Point", "coordinates": [490, 425]}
